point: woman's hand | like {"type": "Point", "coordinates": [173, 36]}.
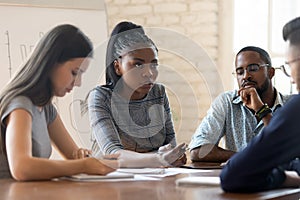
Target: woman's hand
{"type": "Point", "coordinates": [100, 167]}
{"type": "Point", "coordinates": [173, 156]}
{"type": "Point", "coordinates": [81, 153]}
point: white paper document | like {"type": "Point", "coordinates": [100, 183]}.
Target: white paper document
{"type": "Point", "coordinates": [125, 174]}
{"type": "Point", "coordinates": [113, 175]}
{"type": "Point", "coordinates": [199, 180]}
{"type": "Point", "coordinates": [149, 172]}
{"type": "Point", "coordinates": [141, 170]}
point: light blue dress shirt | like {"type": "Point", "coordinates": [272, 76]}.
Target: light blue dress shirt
{"type": "Point", "coordinates": [229, 118]}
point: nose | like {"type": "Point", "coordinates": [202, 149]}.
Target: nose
{"type": "Point", "coordinates": [77, 81]}
{"type": "Point", "coordinates": [147, 71]}
{"type": "Point", "coordinates": [246, 75]}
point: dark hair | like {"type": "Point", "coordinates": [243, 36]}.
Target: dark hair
{"type": "Point", "coordinates": [263, 54]}
{"type": "Point", "coordinates": [291, 31]}
{"type": "Point", "coordinates": [125, 34]}
{"type": "Point", "coordinates": [126, 26]}
{"type": "Point", "coordinates": [62, 43]}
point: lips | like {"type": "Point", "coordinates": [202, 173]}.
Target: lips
{"type": "Point", "coordinates": [248, 84]}
{"type": "Point", "coordinates": [147, 85]}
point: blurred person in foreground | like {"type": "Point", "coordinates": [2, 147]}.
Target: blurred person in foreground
{"type": "Point", "coordinates": [270, 160]}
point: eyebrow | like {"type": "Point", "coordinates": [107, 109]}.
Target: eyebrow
{"type": "Point", "coordinates": [142, 60]}
{"type": "Point", "coordinates": [248, 65]}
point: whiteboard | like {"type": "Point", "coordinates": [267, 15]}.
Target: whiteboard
{"type": "Point", "coordinates": [22, 27]}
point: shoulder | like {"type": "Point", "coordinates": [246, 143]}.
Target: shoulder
{"type": "Point", "coordinates": [22, 101]}
{"type": "Point", "coordinates": [228, 97]}
{"type": "Point", "coordinates": [99, 94]}
{"type": "Point", "coordinates": [19, 102]}
{"type": "Point", "coordinates": [295, 100]}
{"type": "Point", "coordinates": [285, 98]}
{"type": "Point", "coordinates": [287, 112]}
{"type": "Point", "coordinates": [101, 91]}
{"type": "Point", "coordinates": [231, 94]}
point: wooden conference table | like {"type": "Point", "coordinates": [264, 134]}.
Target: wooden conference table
{"type": "Point", "coordinates": [164, 189]}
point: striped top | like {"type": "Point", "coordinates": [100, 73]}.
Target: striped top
{"type": "Point", "coordinates": [137, 125]}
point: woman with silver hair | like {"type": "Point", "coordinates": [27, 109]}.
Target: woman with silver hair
{"type": "Point", "coordinates": [130, 114]}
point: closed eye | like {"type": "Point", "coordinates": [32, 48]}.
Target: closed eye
{"type": "Point", "coordinates": [74, 73]}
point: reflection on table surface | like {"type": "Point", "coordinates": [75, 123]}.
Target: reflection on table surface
{"type": "Point", "coordinates": [162, 189]}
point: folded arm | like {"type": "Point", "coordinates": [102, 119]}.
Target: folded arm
{"type": "Point", "coordinates": [210, 153]}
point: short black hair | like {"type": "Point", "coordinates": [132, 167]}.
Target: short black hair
{"type": "Point", "coordinates": [263, 54]}
{"type": "Point", "coordinates": [291, 31]}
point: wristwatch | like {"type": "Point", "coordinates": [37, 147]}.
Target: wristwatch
{"type": "Point", "coordinates": [263, 111]}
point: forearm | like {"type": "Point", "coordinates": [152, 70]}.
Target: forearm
{"type": "Point", "coordinates": [61, 139]}
{"type": "Point", "coordinates": [42, 168]}
{"type": "Point", "coordinates": [210, 153]}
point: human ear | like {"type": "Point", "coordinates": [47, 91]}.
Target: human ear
{"type": "Point", "coordinates": [117, 67]}
{"type": "Point", "coordinates": [271, 72]}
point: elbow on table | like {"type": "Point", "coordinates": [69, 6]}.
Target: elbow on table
{"type": "Point", "coordinates": [21, 173]}
{"type": "Point", "coordinates": [226, 182]}
{"type": "Point", "coordinates": [240, 183]}
{"type": "Point", "coordinates": [197, 155]}
{"type": "Point", "coordinates": [232, 182]}
{"type": "Point", "coordinates": [205, 154]}
{"type": "Point", "coordinates": [194, 155]}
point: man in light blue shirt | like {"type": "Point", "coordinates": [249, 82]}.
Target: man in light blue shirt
{"type": "Point", "coordinates": [271, 159]}
{"type": "Point", "coordinates": [234, 120]}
